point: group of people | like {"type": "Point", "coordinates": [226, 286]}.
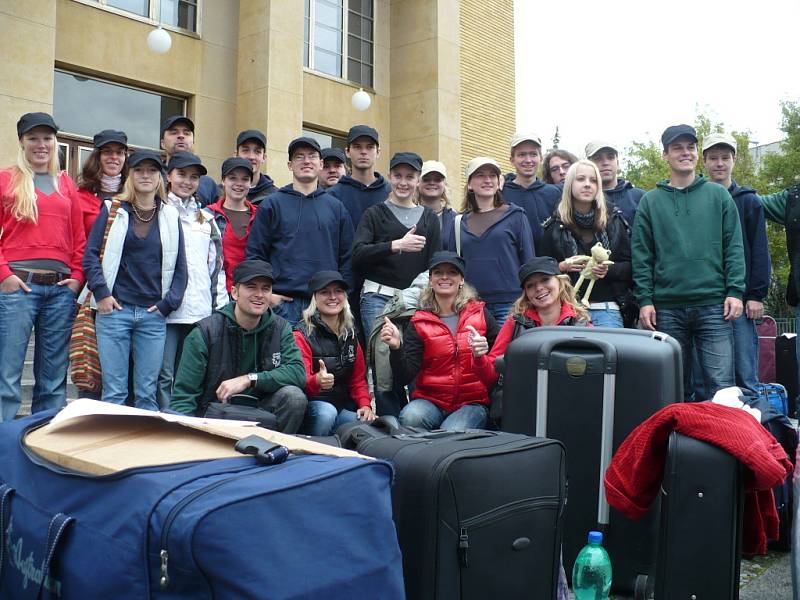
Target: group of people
{"type": "Point", "coordinates": [206, 291]}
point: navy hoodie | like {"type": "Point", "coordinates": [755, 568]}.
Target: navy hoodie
{"type": "Point", "coordinates": [626, 197]}
{"type": "Point", "coordinates": [494, 258]}
{"type": "Point", "coordinates": [754, 238]}
{"type": "Point", "coordinates": [358, 197]}
{"type": "Point", "coordinates": [299, 236]}
{"type": "Point", "coordinates": [262, 189]}
{"type": "Point", "coordinates": [539, 200]}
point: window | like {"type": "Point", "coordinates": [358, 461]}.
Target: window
{"type": "Point", "coordinates": [338, 38]}
{"type": "Point", "coordinates": [326, 140]}
{"type": "Point", "coordinates": [82, 106]}
{"type": "Point", "coordinates": [177, 13]}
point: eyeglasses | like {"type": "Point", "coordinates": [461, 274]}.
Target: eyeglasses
{"type": "Point", "coordinates": [563, 168]}
{"type": "Point", "coordinates": [300, 158]}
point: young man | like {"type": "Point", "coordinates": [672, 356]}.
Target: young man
{"type": "Point", "coordinates": [177, 133]}
{"type": "Point", "coordinates": [688, 263]}
{"type": "Point", "coordinates": [334, 167]}
{"type": "Point", "coordinates": [555, 165]}
{"type": "Point", "coordinates": [269, 362]}
{"type": "Point", "coordinates": [364, 187]}
{"type": "Point", "coordinates": [526, 190]}
{"type": "Point", "coordinates": [301, 230]}
{"type": "Point", "coordinates": [617, 191]}
{"type": "Point", "coordinates": [252, 145]}
{"type": "Point", "coordinates": [719, 158]}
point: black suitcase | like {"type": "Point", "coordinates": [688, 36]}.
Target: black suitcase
{"type": "Point", "coordinates": [598, 385]}
{"type": "Point", "coordinates": [702, 500]}
{"type": "Point", "coordinates": [478, 513]}
{"type": "Point", "coordinates": [786, 368]}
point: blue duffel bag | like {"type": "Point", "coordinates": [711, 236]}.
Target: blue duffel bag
{"type": "Point", "coordinates": [311, 527]}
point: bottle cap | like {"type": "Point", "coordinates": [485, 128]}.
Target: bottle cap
{"type": "Point", "coordinates": [595, 537]}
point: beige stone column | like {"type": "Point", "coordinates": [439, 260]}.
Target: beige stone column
{"type": "Point", "coordinates": [425, 58]}
{"type": "Point", "coordinates": [270, 76]}
{"type": "Point", "coordinates": [27, 45]}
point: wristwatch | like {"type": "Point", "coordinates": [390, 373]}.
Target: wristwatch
{"type": "Point", "coordinates": [253, 377]}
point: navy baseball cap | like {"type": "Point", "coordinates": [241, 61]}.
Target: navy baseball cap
{"type": "Point", "coordinates": [303, 141]}
{"type": "Point", "coordinates": [673, 132]}
{"type": "Point", "coordinates": [334, 154]}
{"type": "Point", "coordinates": [170, 121]}
{"type": "Point", "coordinates": [143, 155]}
{"type": "Point", "coordinates": [357, 131]}
{"type": "Point", "coordinates": [412, 159]}
{"type": "Point", "coordinates": [251, 134]}
{"type": "Point", "coordinates": [247, 270]}
{"type": "Point", "coordinates": [236, 162]}
{"type": "Point", "coordinates": [444, 257]}
{"type": "Point", "coordinates": [183, 159]}
{"type": "Point", "coordinates": [32, 120]}
{"type": "Point", "coordinates": [110, 136]}
{"type": "Point", "coordinates": [540, 264]}
{"type": "Point", "coordinates": [323, 279]}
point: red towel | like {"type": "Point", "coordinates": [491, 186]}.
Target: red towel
{"type": "Point", "coordinates": [634, 477]}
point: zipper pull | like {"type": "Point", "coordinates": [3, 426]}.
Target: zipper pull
{"type": "Point", "coordinates": [164, 581]}
{"type": "Point", "coordinates": [463, 547]}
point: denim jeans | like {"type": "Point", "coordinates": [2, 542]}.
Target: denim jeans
{"type": "Point", "coordinates": [120, 333]}
{"type": "Point", "coordinates": [425, 414]}
{"type": "Point", "coordinates": [701, 327]}
{"type": "Point", "coordinates": [500, 311]}
{"type": "Point", "coordinates": [48, 311]}
{"type": "Point", "coordinates": [606, 317]}
{"type": "Point", "coordinates": [173, 345]}
{"type": "Point", "coordinates": [387, 403]}
{"type": "Point", "coordinates": [322, 418]}
{"type": "Point", "coordinates": [372, 305]}
{"type": "Point", "coordinates": [745, 358]}
{"type": "Point", "coordinates": [288, 404]}
{"type": "Point", "coordinates": [291, 311]}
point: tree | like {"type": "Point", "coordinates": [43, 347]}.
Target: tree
{"type": "Point", "coordinates": [556, 138]}
{"type": "Point", "coordinates": [780, 171]}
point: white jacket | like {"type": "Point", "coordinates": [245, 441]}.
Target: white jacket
{"type": "Point", "coordinates": [205, 287]}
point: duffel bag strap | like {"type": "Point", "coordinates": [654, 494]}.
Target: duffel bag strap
{"type": "Point", "coordinates": [58, 525]}
{"type": "Point", "coordinates": [6, 491]}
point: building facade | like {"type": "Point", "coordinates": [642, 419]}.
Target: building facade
{"type": "Point", "coordinates": [440, 73]}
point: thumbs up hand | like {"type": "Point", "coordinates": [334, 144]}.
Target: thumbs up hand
{"type": "Point", "coordinates": [477, 343]}
{"type": "Point", "coordinates": [324, 379]}
{"type": "Point", "coordinates": [410, 242]}
{"type": "Point", "coordinates": [390, 334]}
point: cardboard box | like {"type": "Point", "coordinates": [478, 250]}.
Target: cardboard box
{"type": "Point", "coordinates": [99, 438]}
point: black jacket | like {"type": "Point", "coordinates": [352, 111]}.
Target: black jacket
{"type": "Point", "coordinates": [560, 242]}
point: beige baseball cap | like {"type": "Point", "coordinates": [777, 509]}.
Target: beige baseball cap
{"type": "Point", "coordinates": [433, 166]}
{"type": "Point", "coordinates": [525, 136]}
{"type": "Point", "coordinates": [595, 146]}
{"type": "Point", "coordinates": [478, 162]}
{"type": "Point", "coordinates": [716, 139]}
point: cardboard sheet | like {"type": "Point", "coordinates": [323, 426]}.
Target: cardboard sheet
{"type": "Point", "coordinates": [100, 438]}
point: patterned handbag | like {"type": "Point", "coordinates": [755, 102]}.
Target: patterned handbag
{"type": "Point", "coordinates": [84, 359]}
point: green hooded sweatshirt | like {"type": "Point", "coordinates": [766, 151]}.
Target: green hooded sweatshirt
{"type": "Point", "coordinates": [687, 246]}
{"type": "Point", "coordinates": [189, 379]}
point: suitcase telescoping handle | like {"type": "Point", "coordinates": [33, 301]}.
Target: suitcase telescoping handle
{"type": "Point", "coordinates": [609, 392]}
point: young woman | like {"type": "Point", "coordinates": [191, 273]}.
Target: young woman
{"type": "Point", "coordinates": [437, 348]}
{"type": "Point", "coordinates": [139, 282]}
{"type": "Point", "coordinates": [555, 165]}
{"type": "Point", "coordinates": [393, 244]}
{"type": "Point", "coordinates": [434, 194]}
{"type": "Point", "coordinates": [582, 219]}
{"type": "Point", "coordinates": [547, 299]}
{"type": "Point", "coordinates": [41, 246]}
{"type": "Point", "coordinates": [103, 174]}
{"type": "Point", "coordinates": [494, 238]}
{"type": "Point", "coordinates": [233, 213]}
{"type": "Point", "coordinates": [205, 287]}
{"type": "Point", "coordinates": [336, 384]}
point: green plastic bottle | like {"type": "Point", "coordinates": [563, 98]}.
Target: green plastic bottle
{"type": "Point", "coordinates": [591, 574]}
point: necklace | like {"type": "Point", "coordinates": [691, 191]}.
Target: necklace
{"type": "Point", "coordinates": [139, 216]}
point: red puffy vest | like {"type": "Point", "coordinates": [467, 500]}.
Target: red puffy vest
{"type": "Point", "coordinates": [446, 377]}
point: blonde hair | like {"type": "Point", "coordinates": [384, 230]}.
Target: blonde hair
{"type": "Point", "coordinates": [128, 193]}
{"type": "Point", "coordinates": [344, 322]}
{"type": "Point", "coordinates": [23, 189]}
{"type": "Point", "coordinates": [565, 208]}
{"type": "Point", "coordinates": [566, 295]}
{"type": "Point", "coordinates": [427, 299]}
